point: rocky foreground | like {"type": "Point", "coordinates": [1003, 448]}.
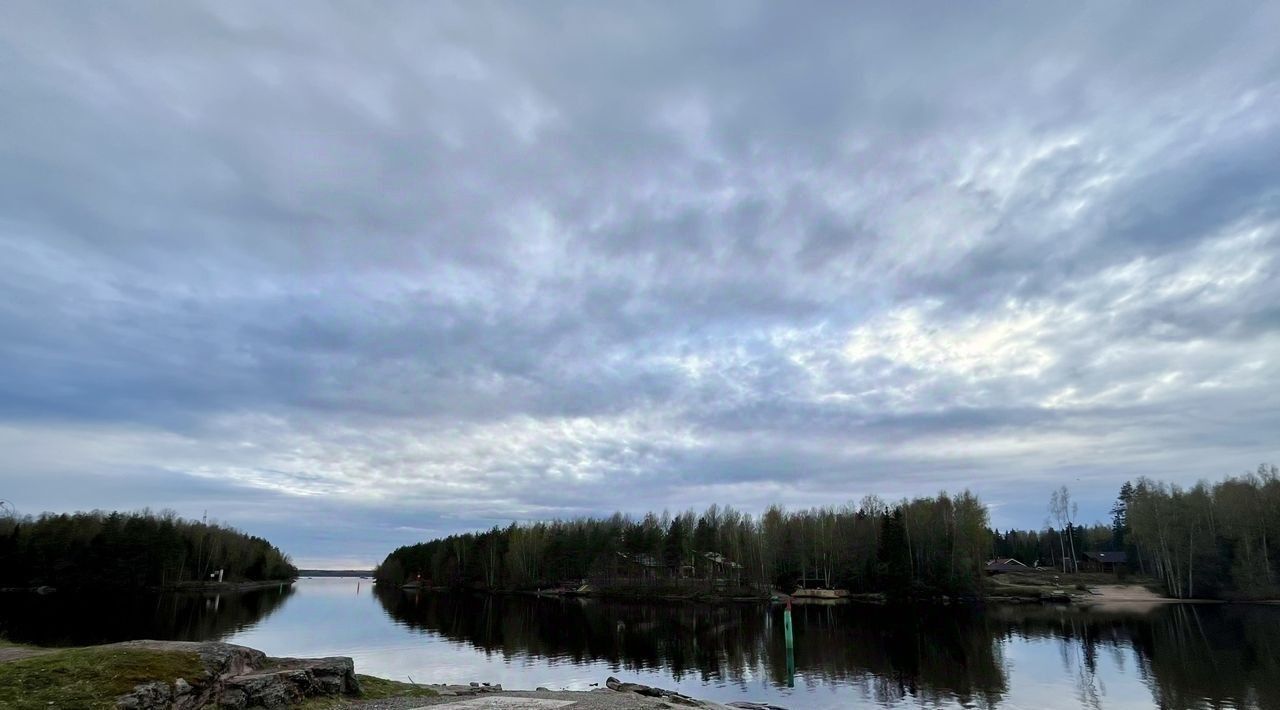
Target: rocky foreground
{"type": "Point", "coordinates": [177, 675]}
{"type": "Point", "coordinates": [240, 678]}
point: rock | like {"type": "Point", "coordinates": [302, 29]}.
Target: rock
{"type": "Point", "coordinates": [670, 696]}
{"type": "Point", "coordinates": [542, 689]}
{"type": "Point", "coordinates": [275, 689]}
{"type": "Point", "coordinates": [238, 678]}
{"type": "Point", "coordinates": [291, 680]}
{"type": "Point", "coordinates": [335, 675]}
{"type": "Point", "coordinates": [185, 695]}
{"type": "Point", "coordinates": [233, 699]}
{"type": "Point", "coordinates": [220, 660]}
{"type": "Point", "coordinates": [156, 694]}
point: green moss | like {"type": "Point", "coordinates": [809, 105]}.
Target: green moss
{"type": "Point", "coordinates": [374, 689]}
{"type": "Point", "coordinates": [88, 678]}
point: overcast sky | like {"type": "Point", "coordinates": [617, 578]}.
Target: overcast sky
{"type": "Point", "coordinates": [351, 276]}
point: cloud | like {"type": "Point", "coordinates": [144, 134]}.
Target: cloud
{"type": "Point", "coordinates": [432, 269]}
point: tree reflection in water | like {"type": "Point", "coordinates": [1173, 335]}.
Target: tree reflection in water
{"type": "Point", "coordinates": [1189, 656]}
{"type": "Point", "coordinates": [66, 619]}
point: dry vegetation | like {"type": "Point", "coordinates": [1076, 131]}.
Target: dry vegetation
{"type": "Point", "coordinates": [87, 678]}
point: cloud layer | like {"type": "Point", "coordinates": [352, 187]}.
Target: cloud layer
{"type": "Point", "coordinates": [356, 276]}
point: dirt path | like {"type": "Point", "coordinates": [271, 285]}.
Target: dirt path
{"type": "Point", "coordinates": [1132, 597]}
{"type": "Point", "coordinates": [1127, 593]}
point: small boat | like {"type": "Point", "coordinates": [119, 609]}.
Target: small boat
{"type": "Point", "coordinates": [820, 593]}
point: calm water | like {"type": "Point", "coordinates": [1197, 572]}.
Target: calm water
{"type": "Point", "coordinates": [845, 656]}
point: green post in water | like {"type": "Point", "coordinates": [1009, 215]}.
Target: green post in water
{"type": "Point", "coordinates": [786, 625]}
{"type": "Point", "coordinates": [791, 654]}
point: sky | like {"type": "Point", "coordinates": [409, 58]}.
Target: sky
{"type": "Point", "coordinates": [351, 276]}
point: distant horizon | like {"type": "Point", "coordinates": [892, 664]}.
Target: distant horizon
{"type": "Point", "coordinates": [349, 280]}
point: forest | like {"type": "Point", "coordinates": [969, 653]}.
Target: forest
{"type": "Point", "coordinates": [1214, 541]}
{"type": "Point", "coordinates": [1207, 541]}
{"type": "Point", "coordinates": [926, 546]}
{"type": "Point", "coordinates": [132, 550]}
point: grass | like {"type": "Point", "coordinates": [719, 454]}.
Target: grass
{"type": "Point", "coordinates": [92, 678]}
{"type": "Point", "coordinates": [88, 678]}
{"type": "Point", "coordinates": [374, 689]}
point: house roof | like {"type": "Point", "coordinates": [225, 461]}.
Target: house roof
{"type": "Point", "coordinates": [1006, 564]}
{"type": "Point", "coordinates": [1109, 557]}
{"type": "Point", "coordinates": [1005, 561]}
{"type": "Point", "coordinates": [720, 559]}
{"type": "Point", "coordinates": [643, 559]}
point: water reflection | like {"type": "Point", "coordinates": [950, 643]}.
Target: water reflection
{"type": "Point", "coordinates": [1175, 657]}
{"type": "Point", "coordinates": [1186, 656]}
{"type": "Point", "coordinates": [937, 654]}
{"type": "Point", "coordinates": [79, 619]}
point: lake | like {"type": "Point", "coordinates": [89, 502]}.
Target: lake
{"type": "Point", "coordinates": [853, 655]}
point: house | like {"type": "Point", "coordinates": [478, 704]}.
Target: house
{"type": "Point", "coordinates": [1005, 564]}
{"type": "Point", "coordinates": [1104, 561]}
{"type": "Point", "coordinates": [643, 565]}
{"type": "Point", "coordinates": [722, 568]}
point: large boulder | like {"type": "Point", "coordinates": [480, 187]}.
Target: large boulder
{"type": "Point", "coordinates": [241, 678]}
{"type": "Point", "coordinates": [288, 681]}
{"type": "Point", "coordinates": [335, 675]}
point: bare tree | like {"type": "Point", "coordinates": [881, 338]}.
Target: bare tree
{"type": "Point", "coordinates": [1064, 511]}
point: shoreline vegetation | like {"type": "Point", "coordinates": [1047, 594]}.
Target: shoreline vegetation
{"type": "Point", "coordinates": [1085, 591]}
{"type": "Point", "coordinates": [1208, 542]}
{"type": "Point", "coordinates": [140, 550]}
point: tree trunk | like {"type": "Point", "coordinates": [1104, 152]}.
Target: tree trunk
{"type": "Point", "coordinates": [1075, 559]}
{"type": "Point", "coordinates": [1191, 559]}
{"type": "Point", "coordinates": [1266, 554]}
{"type": "Point", "coordinates": [1063, 548]}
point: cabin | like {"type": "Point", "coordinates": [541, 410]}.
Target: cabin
{"type": "Point", "coordinates": [644, 565]}
{"type": "Point", "coordinates": [1104, 561]}
{"type": "Point", "coordinates": [1001, 565]}
{"type": "Point", "coordinates": [722, 568]}
{"type": "Point", "coordinates": [705, 565]}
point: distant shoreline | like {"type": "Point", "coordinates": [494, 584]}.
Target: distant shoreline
{"type": "Point", "coordinates": [224, 586]}
{"type": "Point", "coordinates": [179, 587]}
{"type": "Point", "coordinates": [1099, 597]}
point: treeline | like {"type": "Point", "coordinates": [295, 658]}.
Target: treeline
{"type": "Point", "coordinates": [1216, 540]}
{"type": "Point", "coordinates": [1207, 541]}
{"type": "Point", "coordinates": [130, 550]}
{"type": "Point", "coordinates": [1045, 548]}
{"type": "Point", "coordinates": [924, 546]}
